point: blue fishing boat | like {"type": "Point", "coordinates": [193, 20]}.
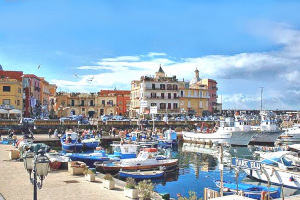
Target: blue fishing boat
{"type": "Point", "coordinates": [70, 144]}
{"type": "Point", "coordinates": [249, 190]}
{"type": "Point", "coordinates": [91, 158]}
{"type": "Point", "coordinates": [141, 174]}
{"type": "Point", "coordinates": [90, 142]}
{"type": "Point", "coordinates": [169, 138]}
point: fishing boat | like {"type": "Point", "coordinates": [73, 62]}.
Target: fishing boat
{"type": "Point", "coordinates": [124, 151]}
{"type": "Point", "coordinates": [141, 174]}
{"type": "Point", "coordinates": [90, 142]}
{"type": "Point", "coordinates": [249, 190]}
{"type": "Point", "coordinates": [278, 169]}
{"type": "Point", "coordinates": [73, 145]}
{"type": "Point", "coordinates": [90, 158]}
{"type": "Point", "coordinates": [169, 138]}
{"type": "Point", "coordinates": [145, 161]}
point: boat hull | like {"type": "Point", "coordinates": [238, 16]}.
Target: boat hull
{"type": "Point", "coordinates": [88, 159]}
{"type": "Point", "coordinates": [114, 168]}
{"type": "Point", "coordinates": [237, 138]}
{"type": "Point", "coordinates": [72, 147]}
{"type": "Point", "coordinates": [142, 175]}
{"type": "Point", "coordinates": [277, 176]}
{"type": "Point", "coordinates": [265, 137]}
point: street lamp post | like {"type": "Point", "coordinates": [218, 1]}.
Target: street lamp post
{"type": "Point", "coordinates": [38, 165]}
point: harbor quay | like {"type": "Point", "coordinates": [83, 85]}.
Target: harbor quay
{"type": "Point", "coordinates": [59, 184]}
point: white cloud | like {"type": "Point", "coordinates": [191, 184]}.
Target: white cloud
{"type": "Point", "coordinates": [277, 69]}
{"type": "Point", "coordinates": [152, 54]}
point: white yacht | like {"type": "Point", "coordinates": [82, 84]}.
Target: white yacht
{"type": "Point", "coordinates": [291, 135]}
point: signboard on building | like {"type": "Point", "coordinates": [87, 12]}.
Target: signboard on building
{"type": "Point", "coordinates": [143, 104]}
{"type": "Point", "coordinates": [153, 109]}
{"type": "Point", "coordinates": [244, 163]}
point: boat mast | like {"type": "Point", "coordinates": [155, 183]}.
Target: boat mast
{"type": "Point", "coordinates": [261, 93]}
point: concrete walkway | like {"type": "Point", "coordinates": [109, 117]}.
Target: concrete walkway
{"type": "Point", "coordinates": [14, 183]}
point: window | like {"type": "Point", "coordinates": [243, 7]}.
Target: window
{"type": "Point", "coordinates": [169, 105]}
{"type": "Point", "coordinates": [200, 104]}
{"type": "Point", "coordinates": [162, 106]}
{"type": "Point", "coordinates": [18, 102]}
{"type": "Point", "coordinates": [82, 102]}
{"type": "Point", "coordinates": [181, 103]}
{"type": "Point", "coordinates": [72, 102]}
{"type": "Point", "coordinates": [6, 101]}
{"type": "Point", "coordinates": [6, 88]}
{"type": "Point", "coordinates": [207, 104]}
{"type": "Point", "coordinates": [189, 93]}
{"type": "Point", "coordinates": [153, 86]}
{"type": "Point", "coordinates": [169, 95]}
{"type": "Point", "coordinates": [169, 87]}
{"type": "Point", "coordinates": [200, 94]}
{"type": "Point", "coordinates": [175, 95]}
{"type": "Point", "coordinates": [83, 109]}
{"type": "Point", "coordinates": [120, 102]}
{"type": "Point", "coordinates": [189, 104]}
{"type": "Point", "coordinates": [175, 105]}
{"type": "Point", "coordinates": [19, 90]}
{"type": "Point", "coordinates": [195, 93]}
{"type": "Point", "coordinates": [153, 104]}
{"type": "Point", "coordinates": [162, 86]}
{"type": "Point", "coordinates": [103, 102]}
{"type": "Point", "coordinates": [181, 92]}
{"type": "Point", "coordinates": [111, 102]}
{"type": "Point", "coordinates": [91, 103]}
{"type": "Point", "coordinates": [162, 95]}
{"type": "Point", "coordinates": [175, 87]}
{"type": "Point", "coordinates": [153, 95]}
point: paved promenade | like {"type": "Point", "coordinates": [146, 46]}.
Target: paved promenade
{"type": "Point", "coordinates": [15, 185]}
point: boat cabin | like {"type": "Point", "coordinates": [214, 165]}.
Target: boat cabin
{"type": "Point", "coordinates": [125, 150]}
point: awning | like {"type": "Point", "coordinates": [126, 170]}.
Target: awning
{"type": "Point", "coordinates": [2, 111]}
{"type": "Point", "coordinates": [15, 111]}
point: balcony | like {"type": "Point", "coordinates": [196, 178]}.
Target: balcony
{"type": "Point", "coordinates": [158, 97]}
{"type": "Point", "coordinates": [163, 89]}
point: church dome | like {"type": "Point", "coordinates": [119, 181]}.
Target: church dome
{"type": "Point", "coordinates": [195, 80]}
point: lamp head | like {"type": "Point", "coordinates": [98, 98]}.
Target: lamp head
{"type": "Point", "coordinates": [41, 164]}
{"type": "Point", "coordinates": [28, 160]}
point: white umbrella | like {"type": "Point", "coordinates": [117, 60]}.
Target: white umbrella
{"type": "Point", "coordinates": [2, 111]}
{"type": "Point", "coordinates": [14, 111]}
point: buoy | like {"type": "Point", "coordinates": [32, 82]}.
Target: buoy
{"type": "Point", "coordinates": [263, 195]}
{"type": "Point", "coordinates": [291, 179]}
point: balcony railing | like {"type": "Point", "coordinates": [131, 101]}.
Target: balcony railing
{"type": "Point", "coordinates": [158, 97]}
{"type": "Point", "coordinates": [150, 88]}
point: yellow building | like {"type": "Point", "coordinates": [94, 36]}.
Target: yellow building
{"type": "Point", "coordinates": [11, 93]}
{"type": "Point", "coordinates": [194, 96]}
{"type": "Point", "coordinates": [135, 98]}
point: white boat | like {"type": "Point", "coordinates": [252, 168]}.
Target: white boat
{"type": "Point", "coordinates": [278, 169]}
{"type": "Point", "coordinates": [291, 135]}
{"type": "Point", "coordinates": [267, 132]}
{"type": "Point", "coordinates": [146, 160]}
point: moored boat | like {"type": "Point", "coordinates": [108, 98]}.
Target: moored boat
{"type": "Point", "coordinates": [90, 142]}
{"type": "Point", "coordinates": [70, 142]}
{"type": "Point", "coordinates": [249, 190]}
{"type": "Point", "coordinates": [144, 161]}
{"type": "Point", "coordinates": [141, 174]}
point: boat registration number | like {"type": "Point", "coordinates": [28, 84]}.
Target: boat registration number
{"type": "Point", "coordinates": [245, 163]}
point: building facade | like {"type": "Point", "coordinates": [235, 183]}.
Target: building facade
{"type": "Point", "coordinates": [212, 91]}
{"type": "Point", "coordinates": [159, 90]}
{"type": "Point", "coordinates": [11, 94]}
{"type": "Point", "coordinates": [92, 105]}
{"type": "Point", "coordinates": [194, 97]}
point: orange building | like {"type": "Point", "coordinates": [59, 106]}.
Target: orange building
{"type": "Point", "coordinates": [122, 100]}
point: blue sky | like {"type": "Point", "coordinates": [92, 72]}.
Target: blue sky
{"type": "Point", "coordinates": [243, 45]}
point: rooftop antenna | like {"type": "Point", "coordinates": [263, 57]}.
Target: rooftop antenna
{"type": "Point", "coordinates": [261, 93]}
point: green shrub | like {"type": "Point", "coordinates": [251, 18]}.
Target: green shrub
{"type": "Point", "coordinates": [145, 189]}
{"type": "Point", "coordinates": [192, 196]}
{"type": "Point", "coordinates": [108, 177]}
{"type": "Point", "coordinates": [130, 183]}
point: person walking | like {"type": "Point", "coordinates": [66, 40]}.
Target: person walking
{"type": "Point", "coordinates": [56, 134]}
{"type": "Point", "coordinates": [49, 133]}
